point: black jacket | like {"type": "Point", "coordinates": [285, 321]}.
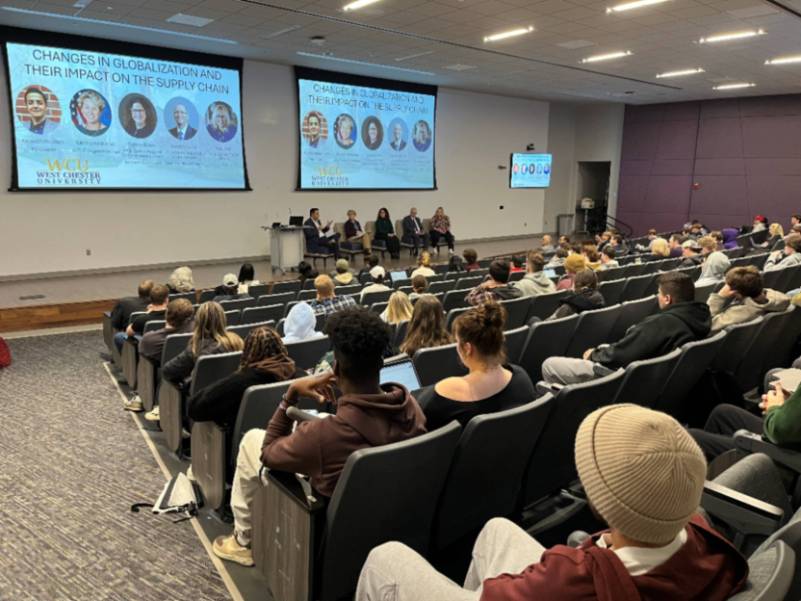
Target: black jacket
{"type": "Point", "coordinates": [121, 313]}
{"type": "Point", "coordinates": [657, 335]}
{"type": "Point", "coordinates": [575, 303]}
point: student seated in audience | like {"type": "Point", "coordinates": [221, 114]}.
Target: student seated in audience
{"type": "Point", "coordinates": [370, 261]}
{"type": "Point", "coordinates": [264, 361]}
{"type": "Point", "coordinates": [470, 257]}
{"type": "Point", "coordinates": [795, 219]}
{"type": "Point", "coordinates": [608, 260]}
{"type": "Point", "coordinates": [790, 256]}
{"type": "Point", "coordinates": [730, 238]}
{"type": "Point", "coordinates": [563, 239]}
{"type": "Point", "coordinates": [367, 415]}
{"type": "Point", "coordinates": [585, 296]}
{"type": "Point", "coordinates": [491, 385]}
{"type": "Point", "coordinates": [660, 249]}
{"type": "Point", "coordinates": [247, 277]}
{"type": "Point", "coordinates": [229, 290]}
{"type": "Point", "coordinates": [691, 251]}
{"type": "Point", "coordinates": [327, 302]}
{"type": "Point", "coordinates": [743, 298]}
{"type": "Point", "coordinates": [547, 246]}
{"type": "Point", "coordinates": [780, 422]}
{"type": "Point", "coordinates": [427, 326]}
{"type": "Point", "coordinates": [559, 257]}
{"type": "Point", "coordinates": [643, 477]}
{"type": "Point", "coordinates": [209, 337]}
{"type": "Point", "coordinates": [178, 318]}
{"type": "Point", "coordinates": [760, 223]}
{"type": "Point", "coordinates": [300, 324]}
{"type": "Point", "coordinates": [419, 287]}
{"type": "Point", "coordinates": [602, 240]}
{"type": "Point", "coordinates": [181, 280]}
{"type": "Point", "coordinates": [399, 309]}
{"type": "Point", "coordinates": [455, 264]}
{"type": "Point", "coordinates": [496, 288]}
{"type": "Point", "coordinates": [574, 263]}
{"type": "Point", "coordinates": [517, 264]}
{"type": "Point", "coordinates": [156, 310]}
{"type": "Point", "coordinates": [620, 246]}
{"type": "Point", "coordinates": [674, 244]}
{"type": "Point", "coordinates": [424, 265]}
{"type": "Point", "coordinates": [306, 271]}
{"type": "Point", "coordinates": [343, 276]}
{"type": "Point", "coordinates": [377, 276]}
{"type": "Point", "coordinates": [121, 313]}
{"type": "Point", "coordinates": [650, 237]}
{"type": "Point", "coordinates": [680, 319]}
{"type": "Point", "coordinates": [715, 264]}
{"type": "Point", "coordinates": [592, 256]}
{"type": "Point", "coordinates": [535, 282]}
{"type": "Point", "coordinates": [775, 239]}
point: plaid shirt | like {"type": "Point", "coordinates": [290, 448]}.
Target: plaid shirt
{"type": "Point", "coordinates": [332, 305]}
{"type": "Point", "coordinates": [480, 295]}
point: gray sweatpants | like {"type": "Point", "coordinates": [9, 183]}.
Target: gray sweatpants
{"type": "Point", "coordinates": [568, 370]}
{"type": "Point", "coordinates": [394, 572]}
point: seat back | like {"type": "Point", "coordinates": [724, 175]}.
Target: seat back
{"type": "Point", "coordinates": [274, 299]}
{"type": "Point", "coordinates": [780, 353]}
{"type": "Point", "coordinates": [206, 296]}
{"type": "Point", "coordinates": [443, 286]}
{"type": "Point", "coordinates": [791, 278]}
{"type": "Point", "coordinates": [633, 312]}
{"type": "Point", "coordinates": [349, 289]}
{"type": "Point", "coordinates": [738, 339]}
{"type": "Point", "coordinates": [592, 328]}
{"type": "Point", "coordinates": [307, 295]}
{"type": "Point", "coordinates": [774, 329]}
{"type": "Point", "coordinates": [452, 315]}
{"type": "Point", "coordinates": [644, 380]}
{"type": "Point", "coordinates": [546, 339]}
{"type": "Point", "coordinates": [791, 536]}
{"type": "Point", "coordinates": [212, 368]}
{"type": "Point", "coordinates": [233, 317]}
{"type": "Point", "coordinates": [611, 290]}
{"type": "Point", "coordinates": [492, 453]}
{"type": "Point", "coordinates": [174, 344]}
{"type": "Point", "coordinates": [307, 353]}
{"type": "Point", "coordinates": [516, 311]}
{"type": "Point", "coordinates": [434, 364]}
{"type": "Point", "coordinates": [190, 296]}
{"type": "Point", "coordinates": [702, 292]}
{"type": "Point", "coordinates": [379, 296]}
{"type": "Point", "coordinates": [399, 335]}
{"type": "Point", "coordinates": [266, 313]}
{"type": "Point", "coordinates": [515, 341]}
{"type": "Point", "coordinates": [455, 299]}
{"type": "Point", "coordinates": [152, 326]}
{"type": "Point", "coordinates": [239, 304]}
{"type": "Point", "coordinates": [552, 464]}
{"type": "Point", "coordinates": [771, 279]}
{"type": "Point", "coordinates": [543, 305]}
{"type": "Point", "coordinates": [279, 287]}
{"type": "Point", "coordinates": [469, 282]}
{"type": "Point", "coordinates": [257, 290]}
{"type": "Point", "coordinates": [379, 307]}
{"type": "Point", "coordinates": [385, 493]}
{"type": "Point", "coordinates": [245, 329]}
{"type": "Point", "coordinates": [636, 286]}
{"type": "Point", "coordinates": [696, 357]}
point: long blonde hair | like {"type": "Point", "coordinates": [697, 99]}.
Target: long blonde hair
{"type": "Point", "coordinates": [660, 247]}
{"type": "Point", "coordinates": [776, 229]}
{"type": "Point", "coordinates": [425, 259]}
{"type": "Point", "coordinates": [427, 326]}
{"type": "Point", "coordinates": [210, 325]}
{"type": "Point", "coordinates": [399, 308]}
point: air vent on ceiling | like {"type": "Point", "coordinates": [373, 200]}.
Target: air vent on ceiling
{"type": "Point", "coordinates": [460, 67]}
{"type": "Point", "coordinates": [575, 44]}
{"type": "Point", "coordinates": [192, 20]}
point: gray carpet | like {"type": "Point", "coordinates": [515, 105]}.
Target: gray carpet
{"type": "Point", "coordinates": [71, 463]}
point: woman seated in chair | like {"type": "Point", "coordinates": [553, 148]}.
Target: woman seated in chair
{"type": "Point", "coordinates": [385, 232]}
{"type": "Point", "coordinates": [491, 385]}
{"type": "Point", "coordinates": [441, 228]}
{"type": "Point", "coordinates": [398, 309]}
{"type": "Point", "coordinates": [427, 326]}
{"type": "Point", "coordinates": [585, 296]}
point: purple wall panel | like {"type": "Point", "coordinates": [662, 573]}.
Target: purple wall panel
{"type": "Point", "coordinates": [720, 138]}
{"type": "Point", "coordinates": [672, 167]}
{"type": "Point", "coordinates": [641, 140]}
{"type": "Point", "coordinates": [637, 167]}
{"type": "Point", "coordinates": [769, 137]}
{"type": "Point", "coordinates": [720, 195]}
{"type": "Point", "coordinates": [773, 167]}
{"type": "Point", "coordinates": [770, 106]}
{"type": "Point", "coordinates": [774, 196]}
{"type": "Point", "coordinates": [661, 221]}
{"type": "Point", "coordinates": [719, 167]}
{"type": "Point", "coordinates": [677, 139]}
{"type": "Point", "coordinates": [728, 107]}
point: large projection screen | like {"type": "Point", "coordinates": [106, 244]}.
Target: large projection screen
{"type": "Point", "coordinates": [96, 114]}
{"type": "Point", "coordinates": [362, 133]}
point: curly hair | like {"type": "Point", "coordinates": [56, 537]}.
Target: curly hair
{"type": "Point", "coordinates": [359, 338]}
{"type": "Point", "coordinates": [260, 344]}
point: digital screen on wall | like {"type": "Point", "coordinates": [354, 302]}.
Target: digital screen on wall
{"type": "Point", "coordinates": [528, 170]}
{"type": "Point", "coordinates": [90, 119]}
{"type": "Point", "coordinates": [364, 133]}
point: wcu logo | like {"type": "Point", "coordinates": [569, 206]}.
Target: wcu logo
{"type": "Point", "coordinates": [67, 165]}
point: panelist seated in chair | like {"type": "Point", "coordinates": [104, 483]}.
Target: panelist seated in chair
{"type": "Point", "coordinates": [320, 238]}
{"type": "Point", "coordinates": [643, 476]}
{"type": "Point", "coordinates": [413, 232]}
{"type": "Point", "coordinates": [680, 320]}
{"type": "Point", "coordinates": [355, 234]}
{"type": "Point", "coordinates": [368, 414]}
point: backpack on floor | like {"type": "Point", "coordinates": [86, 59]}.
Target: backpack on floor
{"type": "Point", "coordinates": [178, 496]}
{"type": "Point", "coordinates": [5, 354]}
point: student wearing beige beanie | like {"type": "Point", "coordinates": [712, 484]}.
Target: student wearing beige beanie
{"type": "Point", "coordinates": [643, 475]}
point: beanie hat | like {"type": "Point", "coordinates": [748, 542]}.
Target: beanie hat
{"type": "Point", "coordinates": [575, 263]}
{"type": "Point", "coordinates": [641, 471]}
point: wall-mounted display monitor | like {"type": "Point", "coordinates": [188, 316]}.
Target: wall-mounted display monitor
{"type": "Point", "coordinates": [529, 170]}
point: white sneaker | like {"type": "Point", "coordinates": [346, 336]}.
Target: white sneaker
{"type": "Point", "coordinates": [134, 404]}
{"type": "Point", "coordinates": [153, 416]}
{"type": "Point", "coordinates": [450, 251]}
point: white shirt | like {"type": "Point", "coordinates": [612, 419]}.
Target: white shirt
{"type": "Point", "coordinates": [424, 271]}
{"type": "Point", "coordinates": [641, 560]}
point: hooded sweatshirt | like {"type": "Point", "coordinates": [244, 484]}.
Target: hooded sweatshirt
{"type": "Point", "coordinates": [578, 302]}
{"type": "Point", "coordinates": [729, 311]}
{"type": "Point", "coordinates": [705, 568]}
{"type": "Point", "coordinates": [657, 335]}
{"type": "Point", "coordinates": [320, 448]}
{"type": "Point", "coordinates": [300, 324]}
{"type": "Point", "coordinates": [780, 261]}
{"type": "Point", "coordinates": [713, 269]}
{"type": "Point", "coordinates": [729, 238]}
{"type": "Point", "coordinates": [534, 284]}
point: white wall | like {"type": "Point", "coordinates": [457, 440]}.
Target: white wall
{"type": "Point", "coordinates": [47, 232]}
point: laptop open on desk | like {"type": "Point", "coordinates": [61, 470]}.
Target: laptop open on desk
{"type": "Point", "coordinates": [296, 220]}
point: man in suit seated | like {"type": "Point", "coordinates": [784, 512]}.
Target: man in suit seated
{"type": "Point", "coordinates": [182, 129]}
{"type": "Point", "coordinates": [413, 231]}
{"type": "Point", "coordinates": [320, 238]}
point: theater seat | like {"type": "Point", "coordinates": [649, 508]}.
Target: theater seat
{"type": "Point", "coordinates": [546, 339]}
{"type": "Point", "coordinates": [434, 364]}
{"type": "Point", "coordinates": [307, 353]}
{"type": "Point", "coordinates": [644, 380]}
{"type": "Point", "coordinates": [592, 328]}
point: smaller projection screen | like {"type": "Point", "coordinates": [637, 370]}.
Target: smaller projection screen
{"type": "Point", "coordinates": [528, 170]}
{"type": "Point", "coordinates": [360, 133]}
{"type": "Point", "coordinates": [97, 114]}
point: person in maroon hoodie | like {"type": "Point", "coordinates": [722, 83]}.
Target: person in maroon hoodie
{"type": "Point", "coordinates": [367, 415]}
{"type": "Point", "coordinates": [643, 475]}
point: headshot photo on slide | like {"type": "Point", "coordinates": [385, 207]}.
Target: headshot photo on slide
{"type": "Point", "coordinates": [372, 132]}
{"type": "Point", "coordinates": [314, 129]}
{"type": "Point", "coordinates": [421, 135]}
{"type": "Point", "coordinates": [90, 112]}
{"type": "Point", "coordinates": [398, 134]}
{"type": "Point", "coordinates": [345, 131]}
{"type": "Point", "coordinates": [181, 118]}
{"type": "Point", "coordinates": [38, 109]}
{"type": "Point", "coordinates": [221, 121]}
{"type": "Point", "coordinates": [137, 116]}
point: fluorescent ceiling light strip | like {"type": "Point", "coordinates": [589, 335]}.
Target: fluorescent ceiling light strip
{"type": "Point", "coordinates": [606, 57]}
{"type": "Point", "coordinates": [400, 59]}
{"type": "Point", "coordinates": [275, 34]}
{"type": "Point", "coordinates": [359, 4]}
{"type": "Point", "coordinates": [632, 5]}
{"type": "Point", "coordinates": [735, 35]}
{"type": "Point", "coordinates": [784, 60]}
{"type": "Point", "coordinates": [679, 73]}
{"type": "Point", "coordinates": [352, 61]}
{"type": "Point", "coordinates": [194, 36]}
{"type": "Point", "coordinates": [734, 86]}
{"type": "Point", "coordinates": [495, 37]}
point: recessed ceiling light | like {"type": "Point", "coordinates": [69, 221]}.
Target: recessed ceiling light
{"type": "Point", "coordinates": [353, 61]}
{"type": "Point", "coordinates": [619, 8]}
{"type": "Point", "coordinates": [192, 20]}
{"type": "Point", "coordinates": [734, 35]}
{"type": "Point", "coordinates": [359, 4]}
{"type": "Point", "coordinates": [734, 86]}
{"type": "Point", "coordinates": [512, 33]}
{"type": "Point", "coordinates": [679, 73]}
{"type": "Point", "coordinates": [606, 57]}
{"type": "Point", "coordinates": [784, 60]}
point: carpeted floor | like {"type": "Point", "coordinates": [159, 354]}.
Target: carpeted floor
{"type": "Point", "coordinates": [71, 463]}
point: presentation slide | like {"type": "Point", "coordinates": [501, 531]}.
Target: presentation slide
{"type": "Point", "coordinates": [530, 170]}
{"type": "Point", "coordinates": [86, 119]}
{"type": "Point", "coordinates": [362, 137]}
